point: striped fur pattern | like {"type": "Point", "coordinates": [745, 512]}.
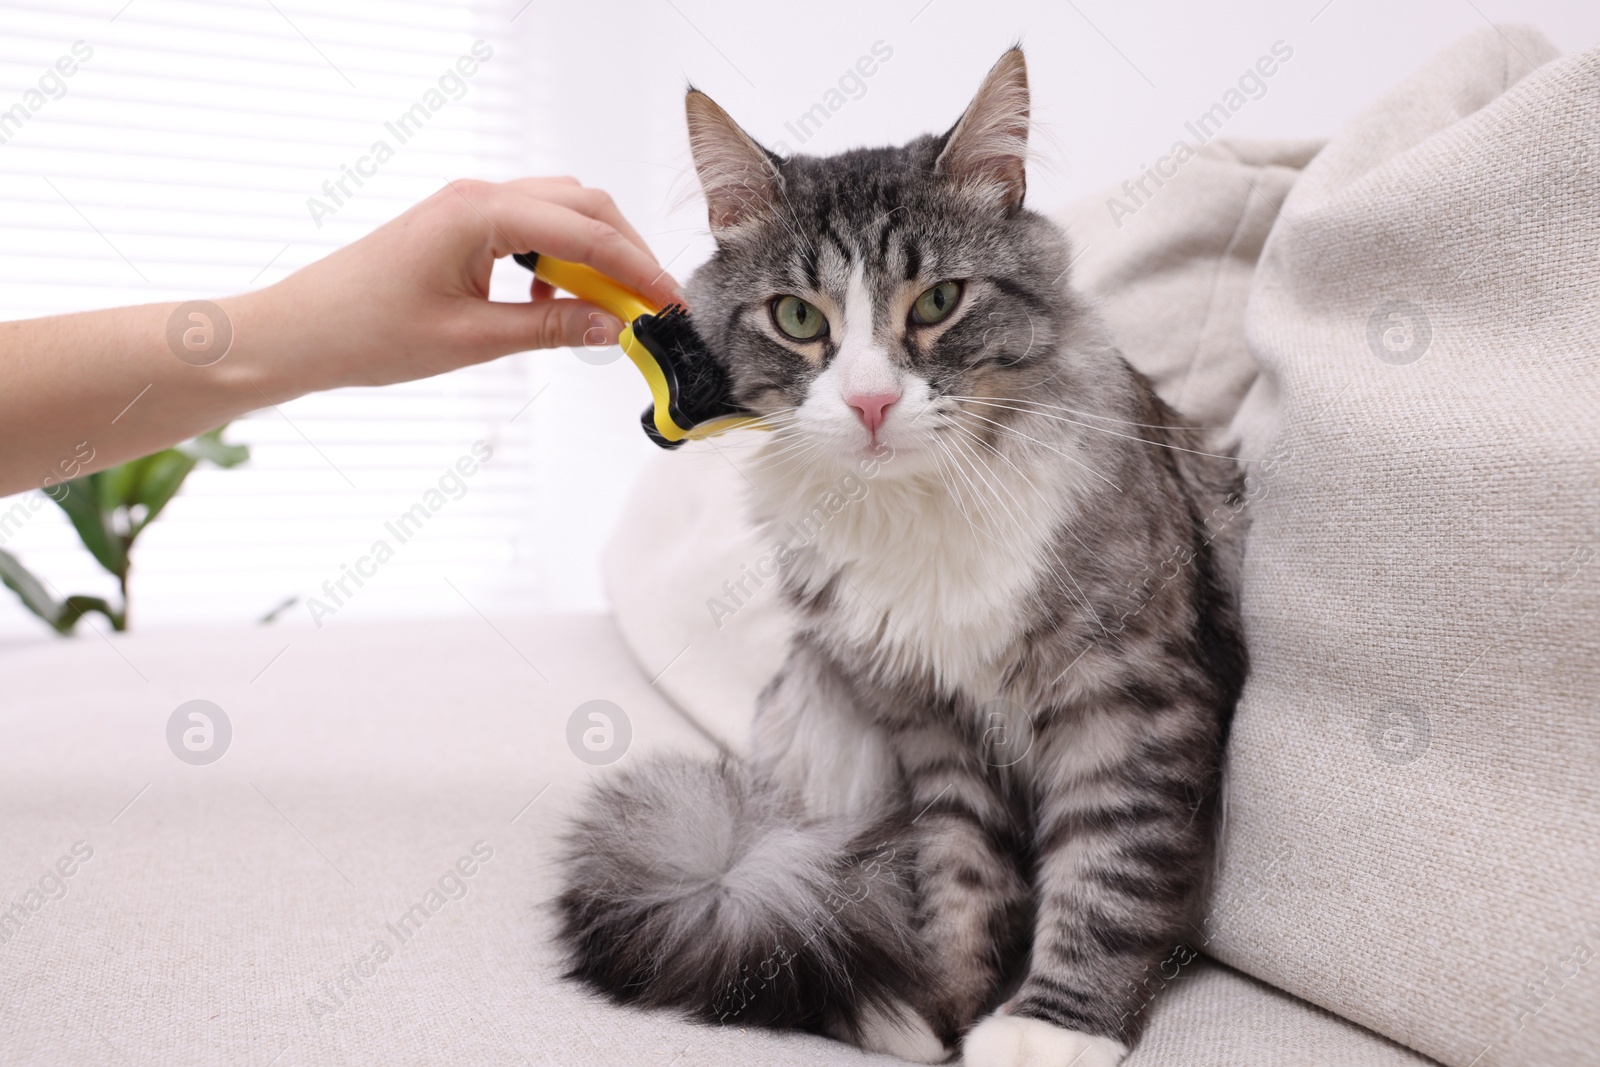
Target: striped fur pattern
{"type": "Point", "coordinates": [980, 804]}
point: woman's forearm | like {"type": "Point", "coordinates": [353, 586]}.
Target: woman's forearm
{"type": "Point", "coordinates": [83, 392]}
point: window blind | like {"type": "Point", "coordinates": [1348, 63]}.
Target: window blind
{"type": "Point", "coordinates": [197, 149]}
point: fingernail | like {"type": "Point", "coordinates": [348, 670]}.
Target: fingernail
{"type": "Point", "coordinates": [603, 330]}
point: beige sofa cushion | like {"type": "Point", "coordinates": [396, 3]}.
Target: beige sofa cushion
{"type": "Point", "coordinates": [670, 572]}
{"type": "Point", "coordinates": [1173, 278]}
{"type": "Point", "coordinates": [1210, 1016]}
{"type": "Point", "coordinates": [1414, 786]}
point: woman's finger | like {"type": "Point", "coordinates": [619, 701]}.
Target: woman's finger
{"type": "Point", "coordinates": [559, 323]}
{"type": "Point", "coordinates": [522, 222]}
{"type": "Point", "coordinates": [596, 203]}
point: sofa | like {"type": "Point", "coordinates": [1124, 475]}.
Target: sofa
{"type": "Point", "coordinates": [273, 846]}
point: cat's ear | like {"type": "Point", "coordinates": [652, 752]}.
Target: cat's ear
{"type": "Point", "coordinates": [739, 177]}
{"type": "Point", "coordinates": [989, 146]}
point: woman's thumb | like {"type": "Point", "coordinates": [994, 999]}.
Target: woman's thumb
{"type": "Point", "coordinates": [559, 323]}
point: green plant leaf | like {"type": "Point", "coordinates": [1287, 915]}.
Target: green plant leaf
{"type": "Point", "coordinates": [74, 607]}
{"type": "Point", "coordinates": [29, 589]}
{"type": "Point", "coordinates": [118, 485]}
{"type": "Point", "coordinates": [102, 508]}
{"type": "Point", "coordinates": [211, 447]}
{"type": "Point", "coordinates": [81, 502]}
{"type": "Point", "coordinates": [163, 476]}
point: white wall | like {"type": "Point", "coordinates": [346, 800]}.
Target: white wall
{"type": "Point", "coordinates": [595, 90]}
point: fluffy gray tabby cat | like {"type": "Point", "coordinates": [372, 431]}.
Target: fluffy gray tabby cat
{"type": "Point", "coordinates": [982, 791]}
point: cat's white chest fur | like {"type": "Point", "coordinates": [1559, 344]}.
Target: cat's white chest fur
{"type": "Point", "coordinates": [931, 579]}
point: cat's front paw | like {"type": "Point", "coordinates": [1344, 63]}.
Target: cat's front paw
{"type": "Point", "coordinates": [1015, 1041]}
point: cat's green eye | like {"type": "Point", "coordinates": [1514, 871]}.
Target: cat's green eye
{"type": "Point", "coordinates": [936, 303]}
{"type": "Point", "coordinates": [798, 319]}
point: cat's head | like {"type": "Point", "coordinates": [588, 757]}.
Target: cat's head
{"type": "Point", "coordinates": [883, 296]}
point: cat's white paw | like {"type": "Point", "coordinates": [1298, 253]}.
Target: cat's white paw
{"type": "Point", "coordinates": [1014, 1041]}
{"type": "Point", "coordinates": [901, 1031]}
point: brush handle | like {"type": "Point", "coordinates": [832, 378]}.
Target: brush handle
{"type": "Point", "coordinates": [588, 284]}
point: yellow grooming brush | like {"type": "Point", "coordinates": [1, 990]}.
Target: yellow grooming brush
{"type": "Point", "coordinates": [691, 389]}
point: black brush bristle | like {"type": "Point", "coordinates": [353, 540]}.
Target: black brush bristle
{"type": "Point", "coordinates": [700, 387]}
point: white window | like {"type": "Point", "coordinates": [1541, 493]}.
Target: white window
{"type": "Point", "coordinates": [198, 150]}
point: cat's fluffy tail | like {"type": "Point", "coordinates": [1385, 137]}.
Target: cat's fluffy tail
{"type": "Point", "coordinates": [696, 886]}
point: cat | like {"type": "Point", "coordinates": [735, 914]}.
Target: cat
{"type": "Point", "coordinates": [979, 806]}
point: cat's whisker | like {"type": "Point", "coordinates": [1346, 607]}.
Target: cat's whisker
{"type": "Point", "coordinates": [1102, 429]}
{"type": "Point", "coordinates": [1051, 549]}
{"type": "Point", "coordinates": [784, 438]}
{"type": "Point", "coordinates": [1084, 414]}
{"type": "Point", "coordinates": [782, 444]}
{"type": "Point", "coordinates": [986, 503]}
{"type": "Point", "coordinates": [945, 462]}
{"type": "Point", "coordinates": [939, 473]}
{"type": "Point", "coordinates": [1035, 524]}
{"type": "Point", "coordinates": [782, 423]}
{"type": "Point", "coordinates": [971, 475]}
{"type": "Point", "coordinates": [949, 489]}
{"type": "Point", "coordinates": [794, 452]}
{"type": "Point", "coordinates": [1014, 432]}
{"type": "Point", "coordinates": [1037, 528]}
{"type": "Point", "coordinates": [954, 491]}
{"type": "Point", "coordinates": [993, 480]}
{"type": "Point", "coordinates": [979, 439]}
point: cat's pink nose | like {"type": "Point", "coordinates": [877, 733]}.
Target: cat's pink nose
{"type": "Point", "coordinates": [872, 408]}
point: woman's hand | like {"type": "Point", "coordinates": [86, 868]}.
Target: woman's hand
{"type": "Point", "coordinates": [411, 298]}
